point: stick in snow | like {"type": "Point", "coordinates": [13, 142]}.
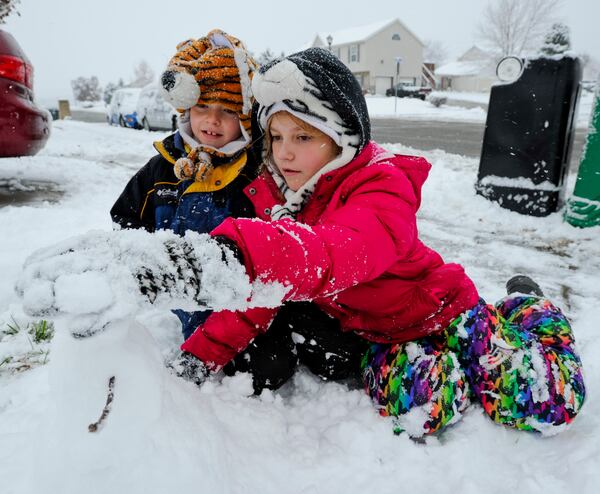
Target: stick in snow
{"type": "Point", "coordinates": [91, 331]}
{"type": "Point", "coordinates": [111, 384]}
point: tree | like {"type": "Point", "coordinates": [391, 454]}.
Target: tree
{"type": "Point", "coordinates": [434, 52]}
{"type": "Point", "coordinates": [142, 75]}
{"type": "Point", "coordinates": [591, 67]}
{"type": "Point", "coordinates": [265, 57]}
{"type": "Point", "coordinates": [511, 27]}
{"type": "Point", "coordinates": [86, 89]}
{"type": "Point", "coordinates": [109, 90]}
{"type": "Point", "coordinates": [7, 7]}
{"type": "Point", "coordinates": [557, 41]}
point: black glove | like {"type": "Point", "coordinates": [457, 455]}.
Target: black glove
{"type": "Point", "coordinates": [190, 368]}
{"type": "Point", "coordinates": [185, 272]}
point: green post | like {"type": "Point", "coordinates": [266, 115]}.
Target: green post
{"type": "Point", "coordinates": [583, 208]}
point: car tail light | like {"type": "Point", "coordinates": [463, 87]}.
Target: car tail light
{"type": "Point", "coordinates": [16, 69]}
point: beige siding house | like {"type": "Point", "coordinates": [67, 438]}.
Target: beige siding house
{"type": "Point", "coordinates": [475, 70]}
{"type": "Point", "coordinates": [371, 53]}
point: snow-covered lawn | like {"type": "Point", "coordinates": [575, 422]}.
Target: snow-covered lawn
{"type": "Point", "coordinates": [413, 108]}
{"type": "Point", "coordinates": [165, 435]}
{"type": "Point", "coordinates": [382, 106]}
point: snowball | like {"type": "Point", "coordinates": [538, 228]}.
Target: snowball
{"type": "Point", "coordinates": [38, 296]}
{"type": "Point", "coordinates": [72, 292]}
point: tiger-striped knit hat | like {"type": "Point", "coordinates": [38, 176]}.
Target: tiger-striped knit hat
{"type": "Point", "coordinates": [216, 68]}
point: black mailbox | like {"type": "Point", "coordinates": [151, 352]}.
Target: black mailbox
{"type": "Point", "coordinates": [529, 134]}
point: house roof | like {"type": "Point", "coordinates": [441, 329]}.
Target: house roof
{"type": "Point", "coordinates": [474, 62]}
{"type": "Point", "coordinates": [359, 33]}
{"type": "Point", "coordinates": [459, 68]}
{"type": "Point", "coordinates": [475, 53]}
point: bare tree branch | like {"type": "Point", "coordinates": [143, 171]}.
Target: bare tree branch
{"type": "Point", "coordinates": [7, 7]}
{"type": "Point", "coordinates": [435, 52]}
{"type": "Point", "coordinates": [512, 27]}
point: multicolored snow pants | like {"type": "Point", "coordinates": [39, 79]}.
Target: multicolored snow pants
{"type": "Point", "coordinates": [517, 359]}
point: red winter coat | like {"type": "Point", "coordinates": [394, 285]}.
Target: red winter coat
{"type": "Point", "coordinates": [353, 250]}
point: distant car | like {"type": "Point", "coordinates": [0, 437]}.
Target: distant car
{"type": "Point", "coordinates": [24, 127]}
{"type": "Point", "coordinates": [54, 113]}
{"type": "Point", "coordinates": [122, 108]}
{"type": "Point", "coordinates": [153, 112]}
{"type": "Point", "coordinates": [405, 90]}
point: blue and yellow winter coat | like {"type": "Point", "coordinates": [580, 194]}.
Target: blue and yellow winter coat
{"type": "Point", "coordinates": [156, 199]}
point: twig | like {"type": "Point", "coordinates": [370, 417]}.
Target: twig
{"type": "Point", "coordinates": [111, 384]}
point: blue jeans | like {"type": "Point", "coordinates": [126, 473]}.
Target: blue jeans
{"type": "Point", "coordinates": [190, 320]}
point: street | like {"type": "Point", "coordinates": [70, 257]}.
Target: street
{"type": "Point", "coordinates": [464, 138]}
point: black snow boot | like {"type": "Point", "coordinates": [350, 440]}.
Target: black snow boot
{"type": "Point", "coordinates": [523, 284]}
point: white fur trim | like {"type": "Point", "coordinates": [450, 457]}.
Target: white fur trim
{"type": "Point", "coordinates": [295, 202]}
{"type": "Point", "coordinates": [285, 81]}
{"type": "Point", "coordinates": [185, 93]}
{"type": "Point", "coordinates": [229, 149]}
{"type": "Point", "coordinates": [310, 120]}
{"type": "Point", "coordinates": [241, 60]}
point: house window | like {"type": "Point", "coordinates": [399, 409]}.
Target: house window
{"type": "Point", "coordinates": [354, 54]}
{"type": "Point", "coordinates": [395, 37]}
{"type": "Point", "coordinates": [337, 52]}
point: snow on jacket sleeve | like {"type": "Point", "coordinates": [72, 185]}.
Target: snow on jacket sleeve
{"type": "Point", "coordinates": [368, 224]}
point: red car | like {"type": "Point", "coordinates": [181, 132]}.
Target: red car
{"type": "Point", "coordinates": [24, 127]}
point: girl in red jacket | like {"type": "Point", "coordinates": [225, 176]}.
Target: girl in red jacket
{"type": "Point", "coordinates": [363, 296]}
{"type": "Point", "coordinates": [338, 227]}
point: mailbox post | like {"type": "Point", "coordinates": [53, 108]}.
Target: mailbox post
{"type": "Point", "coordinates": [529, 133]}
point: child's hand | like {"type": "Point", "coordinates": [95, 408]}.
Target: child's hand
{"type": "Point", "coordinates": [190, 368]}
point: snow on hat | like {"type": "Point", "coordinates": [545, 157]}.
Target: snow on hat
{"type": "Point", "coordinates": [216, 68]}
{"type": "Point", "coordinates": [315, 86]}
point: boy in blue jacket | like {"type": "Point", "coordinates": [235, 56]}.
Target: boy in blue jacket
{"type": "Point", "coordinates": [197, 178]}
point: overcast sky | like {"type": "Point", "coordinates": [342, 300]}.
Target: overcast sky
{"type": "Point", "coordinates": [69, 38]}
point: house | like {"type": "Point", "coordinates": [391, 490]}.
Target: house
{"type": "Point", "coordinates": [377, 53]}
{"type": "Point", "coordinates": [475, 70]}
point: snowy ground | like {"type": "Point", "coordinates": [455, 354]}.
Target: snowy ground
{"type": "Point", "coordinates": [382, 106]}
{"type": "Point", "coordinates": [165, 435]}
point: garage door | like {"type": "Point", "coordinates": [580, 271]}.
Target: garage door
{"type": "Point", "coordinates": [382, 84]}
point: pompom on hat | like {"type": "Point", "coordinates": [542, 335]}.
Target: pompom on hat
{"type": "Point", "coordinates": [315, 86]}
{"type": "Point", "coordinates": [216, 68]}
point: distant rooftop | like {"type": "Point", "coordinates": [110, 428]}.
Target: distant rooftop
{"type": "Point", "coordinates": [474, 61]}
{"type": "Point", "coordinates": [354, 34]}
{"type": "Point", "coordinates": [459, 68]}
{"type": "Point", "coordinates": [359, 33]}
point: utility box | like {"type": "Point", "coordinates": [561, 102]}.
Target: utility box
{"type": "Point", "coordinates": [64, 109]}
{"type": "Point", "coordinates": [529, 134]}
